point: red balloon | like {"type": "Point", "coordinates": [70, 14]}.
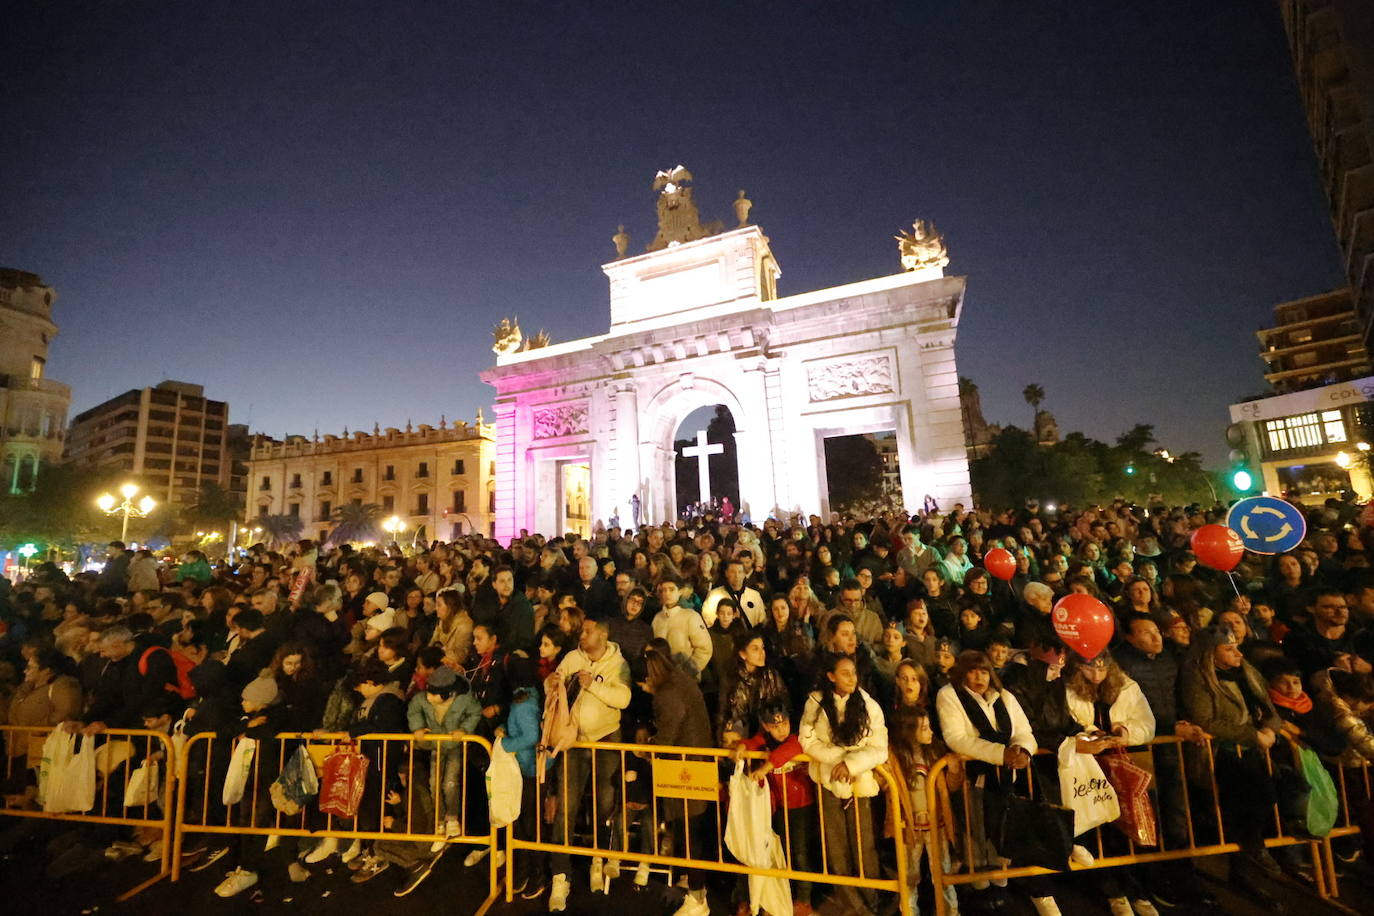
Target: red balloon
{"type": "Point", "coordinates": [1000, 563]}
{"type": "Point", "coordinates": [1084, 623]}
{"type": "Point", "coordinates": [1218, 547]}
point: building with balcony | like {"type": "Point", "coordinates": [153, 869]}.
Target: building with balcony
{"type": "Point", "coordinates": [1332, 45]}
{"type": "Point", "coordinates": [170, 439]}
{"type": "Point", "coordinates": [33, 408]}
{"type": "Point", "coordinates": [1314, 341]}
{"type": "Point", "coordinates": [439, 480]}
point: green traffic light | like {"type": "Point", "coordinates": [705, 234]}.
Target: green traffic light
{"type": "Point", "coordinates": [1130, 470]}
{"type": "Point", "coordinates": [1242, 480]}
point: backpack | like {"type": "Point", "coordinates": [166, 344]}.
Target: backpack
{"type": "Point", "coordinates": [183, 687]}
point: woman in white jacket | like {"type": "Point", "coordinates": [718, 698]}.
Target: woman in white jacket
{"type": "Point", "coordinates": [1113, 712]}
{"type": "Point", "coordinates": [986, 724]}
{"type": "Point", "coordinates": [843, 732]}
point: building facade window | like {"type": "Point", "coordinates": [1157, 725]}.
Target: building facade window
{"type": "Point", "coordinates": [357, 475]}
{"type": "Point", "coordinates": [460, 501]}
{"type": "Point", "coordinates": [36, 368]}
{"type": "Point", "coordinates": [294, 510]}
{"type": "Point", "coordinates": [422, 470]}
{"type": "Point", "coordinates": [327, 479]}
{"type": "Point", "coordinates": [422, 504]}
{"type": "Point", "coordinates": [1305, 431]}
{"type": "Point", "coordinates": [458, 468]}
{"type": "Point", "coordinates": [326, 510]}
{"type": "Point", "coordinates": [266, 484]}
{"type": "Point", "coordinates": [295, 481]}
{"type": "Point", "coordinates": [390, 473]}
{"type": "Point", "coordinates": [388, 503]}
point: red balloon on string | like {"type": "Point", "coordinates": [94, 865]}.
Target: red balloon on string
{"type": "Point", "coordinates": [1218, 547]}
{"type": "Point", "coordinates": [1000, 563]}
{"type": "Point", "coordinates": [1084, 623]}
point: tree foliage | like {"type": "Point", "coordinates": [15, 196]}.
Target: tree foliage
{"type": "Point", "coordinates": [1080, 470]}
{"type": "Point", "coordinates": [854, 470]}
{"type": "Point", "coordinates": [357, 522]}
{"type": "Point", "coordinates": [61, 512]}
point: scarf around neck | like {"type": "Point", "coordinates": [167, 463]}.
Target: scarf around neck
{"type": "Point", "coordinates": [1302, 705]}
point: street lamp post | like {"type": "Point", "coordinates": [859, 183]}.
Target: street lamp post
{"type": "Point", "coordinates": [127, 508]}
{"type": "Point", "coordinates": [394, 526]}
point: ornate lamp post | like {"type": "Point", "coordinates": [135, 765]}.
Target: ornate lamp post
{"type": "Point", "coordinates": [127, 508]}
{"type": "Point", "coordinates": [394, 526]}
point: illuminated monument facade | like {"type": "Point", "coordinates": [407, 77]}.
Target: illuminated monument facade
{"type": "Point", "coordinates": [585, 429]}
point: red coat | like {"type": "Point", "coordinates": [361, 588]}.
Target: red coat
{"type": "Point", "coordinates": [788, 772]}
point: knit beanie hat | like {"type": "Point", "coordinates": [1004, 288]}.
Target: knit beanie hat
{"type": "Point", "coordinates": [379, 600]}
{"type": "Point", "coordinates": [261, 691]}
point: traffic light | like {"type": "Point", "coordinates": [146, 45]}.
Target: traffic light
{"type": "Point", "coordinates": [1242, 480]}
{"type": "Point", "coordinates": [1130, 470]}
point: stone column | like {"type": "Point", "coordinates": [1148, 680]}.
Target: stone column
{"type": "Point", "coordinates": [509, 485]}
{"type": "Point", "coordinates": [627, 472]}
{"type": "Point", "coordinates": [754, 444]}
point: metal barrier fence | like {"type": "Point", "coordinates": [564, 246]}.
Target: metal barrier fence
{"type": "Point", "coordinates": [442, 767]}
{"type": "Point", "coordinates": [118, 752]}
{"type": "Point", "coordinates": [585, 763]}
{"type": "Point", "coordinates": [1156, 758]}
{"type": "Point", "coordinates": [1348, 778]}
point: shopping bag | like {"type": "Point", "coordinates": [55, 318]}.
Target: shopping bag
{"type": "Point", "coordinates": [1085, 789]}
{"type": "Point", "coordinates": [144, 786]}
{"type": "Point", "coordinates": [110, 755]}
{"type": "Point", "coordinates": [240, 765]}
{"type": "Point", "coordinates": [505, 783]}
{"type": "Point", "coordinates": [58, 748]}
{"type": "Point", "coordinates": [1026, 831]}
{"type": "Point", "coordinates": [750, 837]}
{"type": "Point", "coordinates": [71, 778]}
{"type": "Point", "coordinates": [296, 783]}
{"type": "Point", "coordinates": [1132, 785]}
{"type": "Point", "coordinates": [343, 782]}
{"type": "Point", "coordinates": [1322, 801]}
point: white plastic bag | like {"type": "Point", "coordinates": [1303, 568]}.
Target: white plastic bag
{"type": "Point", "coordinates": [1085, 788]}
{"type": "Point", "coordinates": [71, 776]}
{"type": "Point", "coordinates": [58, 749]}
{"type": "Point", "coordinates": [504, 786]}
{"type": "Point", "coordinates": [145, 785]}
{"type": "Point", "coordinates": [750, 838]}
{"type": "Point", "coordinates": [240, 765]}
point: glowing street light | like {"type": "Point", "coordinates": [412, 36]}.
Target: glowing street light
{"type": "Point", "coordinates": [394, 526]}
{"type": "Point", "coordinates": [1343, 459]}
{"type": "Point", "coordinates": [127, 508]}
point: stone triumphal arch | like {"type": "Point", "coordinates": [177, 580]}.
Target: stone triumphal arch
{"type": "Point", "coordinates": [585, 428]}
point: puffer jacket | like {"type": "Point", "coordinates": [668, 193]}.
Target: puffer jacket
{"type": "Point", "coordinates": [596, 707]}
{"type": "Point", "coordinates": [861, 759]}
{"type": "Point", "coordinates": [747, 695]}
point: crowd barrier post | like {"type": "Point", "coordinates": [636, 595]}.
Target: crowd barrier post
{"type": "Point", "coordinates": [1347, 824]}
{"type": "Point", "coordinates": [937, 781]}
{"type": "Point", "coordinates": [201, 816]}
{"type": "Point", "coordinates": [661, 809]}
{"type": "Point", "coordinates": [116, 751]}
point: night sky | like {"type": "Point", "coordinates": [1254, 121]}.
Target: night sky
{"type": "Point", "coordinates": [318, 210]}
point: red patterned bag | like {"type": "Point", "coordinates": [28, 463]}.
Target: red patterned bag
{"type": "Point", "coordinates": [343, 781]}
{"type": "Point", "coordinates": [1132, 784]}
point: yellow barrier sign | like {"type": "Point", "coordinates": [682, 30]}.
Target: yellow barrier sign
{"type": "Point", "coordinates": [690, 779]}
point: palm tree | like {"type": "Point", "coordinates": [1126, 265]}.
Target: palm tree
{"type": "Point", "coordinates": [279, 529]}
{"type": "Point", "coordinates": [356, 522]}
{"type": "Point", "coordinates": [1033, 394]}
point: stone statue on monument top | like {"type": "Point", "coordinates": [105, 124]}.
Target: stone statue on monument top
{"type": "Point", "coordinates": [678, 219]}
{"type": "Point", "coordinates": [507, 337]}
{"type": "Point", "coordinates": [922, 247]}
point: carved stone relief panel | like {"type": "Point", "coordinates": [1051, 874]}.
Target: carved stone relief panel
{"type": "Point", "coordinates": [849, 378]}
{"type": "Point", "coordinates": [560, 420]}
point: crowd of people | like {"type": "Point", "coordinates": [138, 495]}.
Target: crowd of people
{"type": "Point", "coordinates": [832, 647]}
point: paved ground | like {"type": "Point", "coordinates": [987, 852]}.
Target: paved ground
{"type": "Point", "coordinates": [453, 889]}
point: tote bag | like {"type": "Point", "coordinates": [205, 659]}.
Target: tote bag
{"type": "Point", "coordinates": [1085, 788]}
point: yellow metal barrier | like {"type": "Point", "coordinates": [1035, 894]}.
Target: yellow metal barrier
{"type": "Point", "coordinates": [118, 752]}
{"type": "Point", "coordinates": [936, 783]}
{"type": "Point", "coordinates": [657, 810]}
{"type": "Point", "coordinates": [202, 812]}
{"type": "Point", "coordinates": [1348, 778]}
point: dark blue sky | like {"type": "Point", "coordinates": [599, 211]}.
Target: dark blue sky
{"type": "Point", "coordinates": [318, 210]}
